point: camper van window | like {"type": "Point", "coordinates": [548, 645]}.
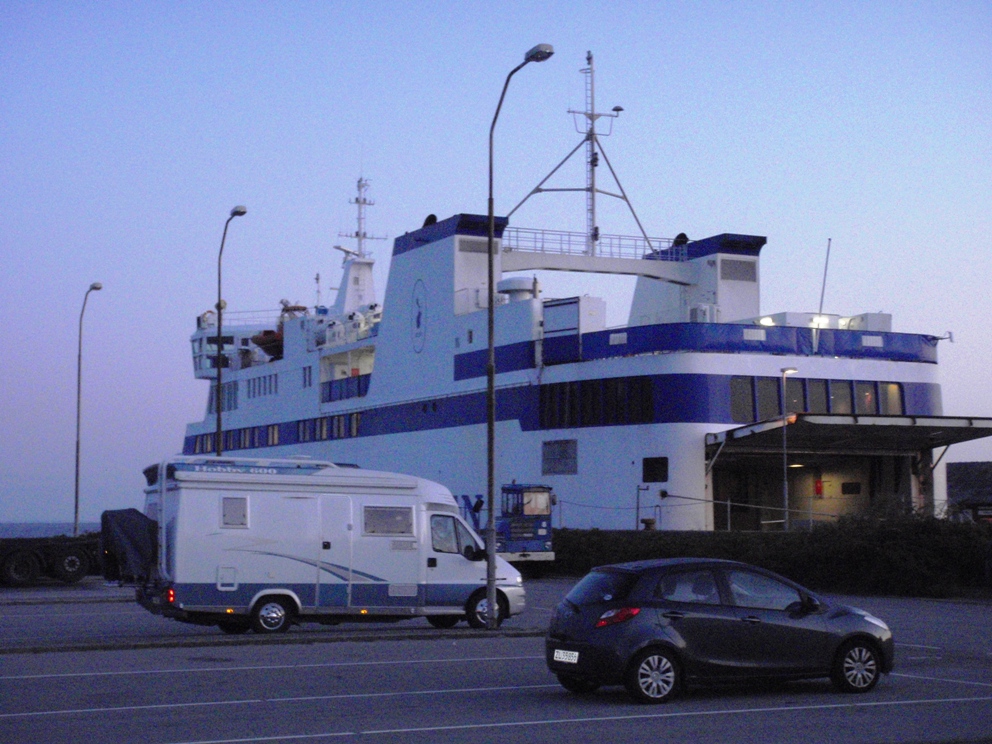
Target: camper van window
{"type": "Point", "coordinates": [448, 535]}
{"type": "Point", "coordinates": [443, 538]}
{"type": "Point", "coordinates": [234, 511]}
{"type": "Point", "coordinates": [388, 520]}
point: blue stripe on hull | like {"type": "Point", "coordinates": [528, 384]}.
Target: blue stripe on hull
{"type": "Point", "coordinates": [684, 398]}
{"type": "Point", "coordinates": [331, 595]}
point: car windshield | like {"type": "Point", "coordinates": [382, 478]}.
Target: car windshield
{"type": "Point", "coordinates": [601, 586]}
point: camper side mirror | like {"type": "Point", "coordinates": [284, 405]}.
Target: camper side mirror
{"type": "Point", "coordinates": [473, 553]}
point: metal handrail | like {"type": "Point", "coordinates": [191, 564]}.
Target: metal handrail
{"type": "Point", "coordinates": [577, 243]}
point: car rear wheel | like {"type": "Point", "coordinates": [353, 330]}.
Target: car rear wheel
{"type": "Point", "coordinates": [577, 685]}
{"type": "Point", "coordinates": [653, 676]}
{"type": "Point", "coordinates": [857, 667]}
{"type": "Point", "coordinates": [272, 616]}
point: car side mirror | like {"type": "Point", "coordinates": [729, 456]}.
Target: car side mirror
{"type": "Point", "coordinates": [473, 553]}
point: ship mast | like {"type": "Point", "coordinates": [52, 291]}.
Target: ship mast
{"type": "Point", "coordinates": [360, 236]}
{"type": "Point", "coordinates": [594, 149]}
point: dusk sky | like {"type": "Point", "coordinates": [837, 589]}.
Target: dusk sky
{"type": "Point", "coordinates": [128, 131]}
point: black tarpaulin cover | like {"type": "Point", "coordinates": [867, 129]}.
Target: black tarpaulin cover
{"type": "Point", "coordinates": [129, 545]}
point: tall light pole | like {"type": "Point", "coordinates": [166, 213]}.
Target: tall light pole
{"type": "Point", "coordinates": [218, 393]}
{"type": "Point", "coordinates": [785, 458]}
{"type": "Point", "coordinates": [94, 287]}
{"type": "Point", "coordinates": [538, 54]}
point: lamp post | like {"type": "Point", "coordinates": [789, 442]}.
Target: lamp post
{"type": "Point", "coordinates": [218, 393]}
{"type": "Point", "coordinates": [785, 458]}
{"type": "Point", "coordinates": [539, 53]}
{"type": "Point", "coordinates": [94, 287]}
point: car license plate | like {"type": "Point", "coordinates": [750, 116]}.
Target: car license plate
{"type": "Point", "coordinates": [568, 657]}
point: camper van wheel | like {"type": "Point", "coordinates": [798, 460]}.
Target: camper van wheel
{"type": "Point", "coordinates": [443, 621]}
{"type": "Point", "coordinates": [478, 607]}
{"type": "Point", "coordinates": [272, 616]}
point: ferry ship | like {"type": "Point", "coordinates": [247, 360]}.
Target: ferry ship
{"type": "Point", "coordinates": [700, 413]}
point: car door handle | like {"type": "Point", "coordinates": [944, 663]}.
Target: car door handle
{"type": "Point", "coordinates": [673, 615]}
{"type": "Point", "coordinates": [326, 545]}
{"type": "Point", "coordinates": [432, 563]}
{"type": "Point", "coordinates": [751, 619]}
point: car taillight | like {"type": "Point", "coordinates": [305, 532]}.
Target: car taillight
{"type": "Point", "coordinates": [612, 617]}
{"type": "Point", "coordinates": [170, 596]}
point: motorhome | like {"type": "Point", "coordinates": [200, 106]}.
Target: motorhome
{"type": "Point", "coordinates": [260, 544]}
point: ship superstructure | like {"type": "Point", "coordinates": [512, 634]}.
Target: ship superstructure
{"type": "Point", "coordinates": [699, 413]}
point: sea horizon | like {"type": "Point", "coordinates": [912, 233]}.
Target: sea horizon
{"type": "Point", "coordinates": [44, 529]}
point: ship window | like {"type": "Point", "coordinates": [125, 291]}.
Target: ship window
{"type": "Point", "coordinates": [816, 396]}
{"type": "Point", "coordinates": [654, 470]}
{"type": "Point", "coordinates": [769, 405]}
{"type": "Point", "coordinates": [741, 400]}
{"type": "Point", "coordinates": [560, 457]}
{"type": "Point", "coordinates": [272, 435]}
{"type": "Point", "coordinates": [736, 270]}
{"type": "Point", "coordinates": [840, 397]}
{"type": "Point", "coordinates": [234, 511]}
{"type": "Point", "coordinates": [890, 398]}
{"type": "Point", "coordinates": [794, 396]}
{"type": "Point", "coordinates": [388, 520]}
{"type": "Point", "coordinates": [865, 401]}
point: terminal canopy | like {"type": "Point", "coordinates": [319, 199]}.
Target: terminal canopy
{"type": "Point", "coordinates": [836, 434]}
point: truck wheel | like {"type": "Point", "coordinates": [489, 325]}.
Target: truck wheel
{"type": "Point", "coordinates": [478, 609]}
{"type": "Point", "coordinates": [71, 566]}
{"type": "Point", "coordinates": [272, 616]}
{"type": "Point", "coordinates": [443, 621]}
{"type": "Point", "coordinates": [20, 568]}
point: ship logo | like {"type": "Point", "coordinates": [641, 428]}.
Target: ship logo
{"type": "Point", "coordinates": [418, 310]}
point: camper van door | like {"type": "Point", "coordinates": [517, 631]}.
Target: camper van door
{"type": "Point", "coordinates": [385, 569]}
{"type": "Point", "coordinates": [451, 575]}
{"type": "Point", "coordinates": [336, 530]}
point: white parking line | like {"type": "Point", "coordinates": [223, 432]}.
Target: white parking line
{"type": "Point", "coordinates": [586, 720]}
{"type": "Point", "coordinates": [267, 667]}
{"type": "Point", "coordinates": [941, 679]}
{"type": "Point", "coordinates": [255, 701]}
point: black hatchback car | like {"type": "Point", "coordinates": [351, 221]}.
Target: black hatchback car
{"type": "Point", "coordinates": [658, 626]}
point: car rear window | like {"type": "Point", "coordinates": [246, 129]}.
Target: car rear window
{"type": "Point", "coordinates": [601, 586]}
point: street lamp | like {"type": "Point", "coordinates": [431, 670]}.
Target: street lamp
{"type": "Point", "coordinates": [785, 458]}
{"type": "Point", "coordinates": [236, 212]}
{"type": "Point", "coordinates": [537, 54]}
{"type": "Point", "coordinates": [94, 287]}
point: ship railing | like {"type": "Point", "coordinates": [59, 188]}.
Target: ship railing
{"type": "Point", "coordinates": [577, 244]}
{"type": "Point", "coordinates": [266, 318]}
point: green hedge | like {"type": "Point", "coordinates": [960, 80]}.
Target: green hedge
{"type": "Point", "coordinates": [917, 557]}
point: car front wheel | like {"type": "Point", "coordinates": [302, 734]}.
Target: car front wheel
{"type": "Point", "coordinates": [653, 676]}
{"type": "Point", "coordinates": [857, 667]}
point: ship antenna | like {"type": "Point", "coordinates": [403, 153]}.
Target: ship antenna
{"type": "Point", "coordinates": [823, 289]}
{"type": "Point", "coordinates": [594, 148]}
{"type": "Point", "coordinates": [360, 235]}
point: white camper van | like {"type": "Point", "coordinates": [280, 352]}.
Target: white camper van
{"type": "Point", "coordinates": [260, 544]}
